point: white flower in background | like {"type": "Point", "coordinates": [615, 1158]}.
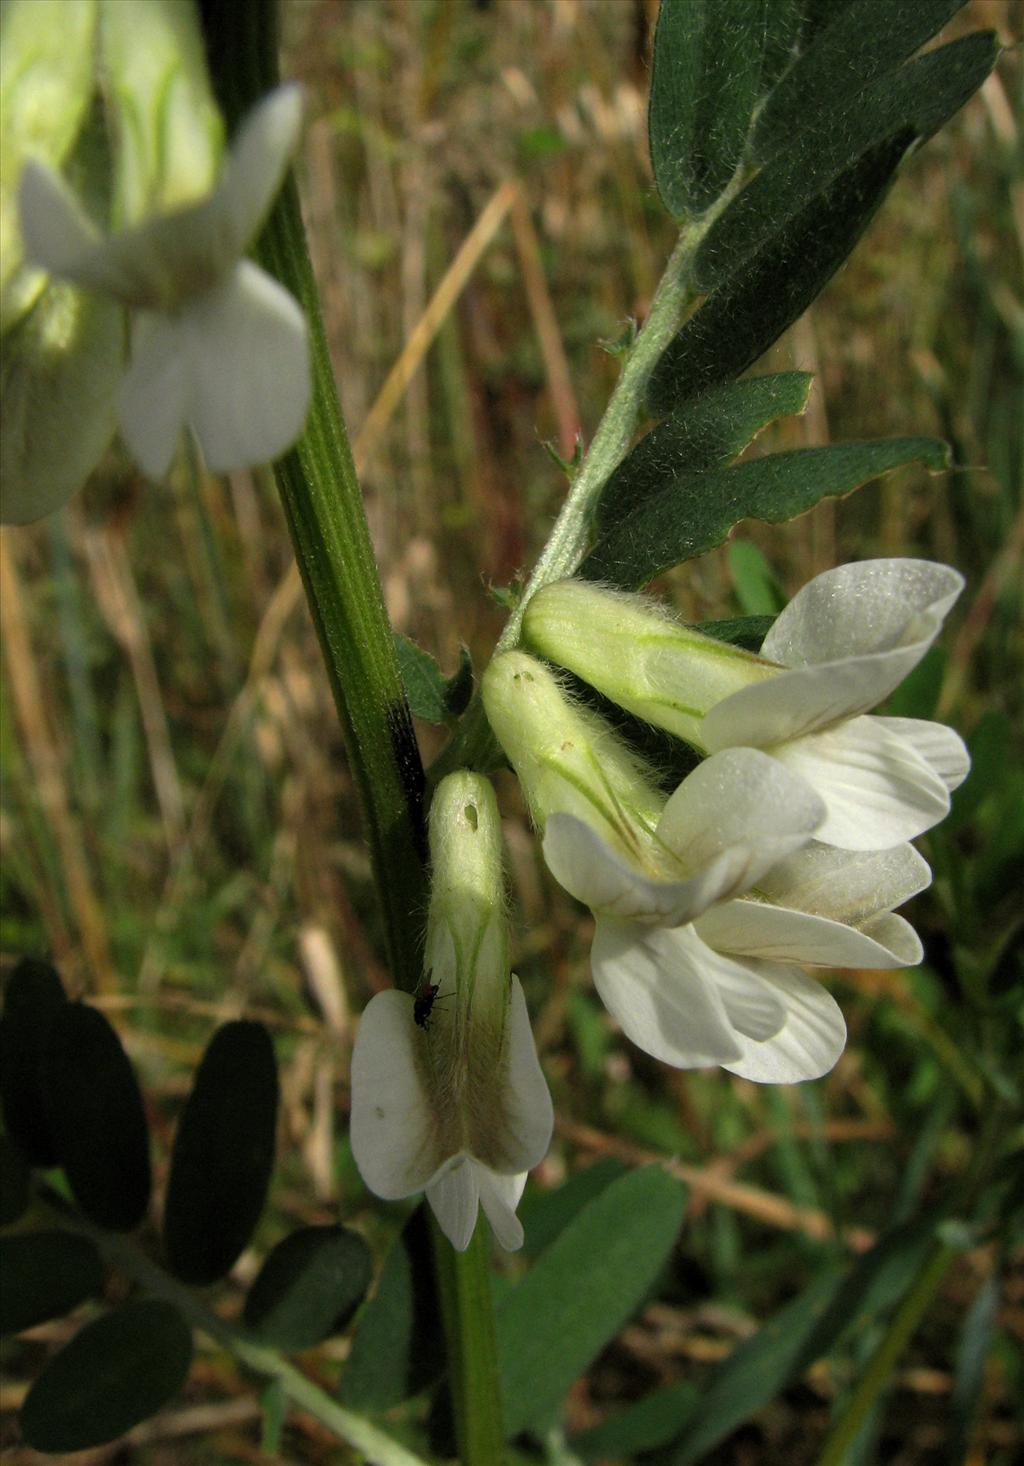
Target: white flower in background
{"type": "Point", "coordinates": [844, 642]}
{"type": "Point", "coordinates": [447, 1093]}
{"type": "Point", "coordinates": [217, 345]}
{"type": "Point", "coordinates": [706, 906]}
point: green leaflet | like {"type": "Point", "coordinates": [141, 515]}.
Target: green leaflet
{"type": "Point", "coordinates": [709, 431]}
{"type": "Point", "coordinates": [581, 1290]}
{"type": "Point", "coordinates": [695, 513]}
{"type": "Point", "coordinates": [45, 1275]}
{"type": "Point", "coordinates": [116, 1371]}
{"type": "Point", "coordinates": [739, 321]}
{"type": "Point", "coordinates": [433, 696]}
{"type": "Point", "coordinates": [847, 49]}
{"type": "Point", "coordinates": [223, 1154]}
{"type": "Point", "coordinates": [922, 95]}
{"type": "Point", "coordinates": [706, 80]}
{"type": "Point", "coordinates": [309, 1286]}
{"type": "Point", "coordinates": [398, 1348]}
{"type": "Point", "coordinates": [96, 1117]}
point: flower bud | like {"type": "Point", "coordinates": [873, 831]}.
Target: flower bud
{"type": "Point", "coordinates": [637, 655]}
{"type": "Point", "coordinates": [568, 759]}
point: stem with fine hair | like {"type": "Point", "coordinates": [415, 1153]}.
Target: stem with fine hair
{"type": "Point", "coordinates": [473, 745]}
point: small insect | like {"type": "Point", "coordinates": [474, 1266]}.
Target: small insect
{"type": "Point", "coordinates": [423, 1006]}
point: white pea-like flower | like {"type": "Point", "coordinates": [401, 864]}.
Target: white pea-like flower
{"type": "Point", "coordinates": [707, 906]}
{"type": "Point", "coordinates": [842, 645]}
{"type": "Point", "coordinates": [216, 344]}
{"type": "Point", "coordinates": [448, 1096]}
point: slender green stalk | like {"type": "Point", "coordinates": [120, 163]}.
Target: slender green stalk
{"type": "Point", "coordinates": [570, 537]}
{"type": "Point", "coordinates": [879, 1371]}
{"type": "Point", "coordinates": [473, 745]}
{"type": "Point", "coordinates": [468, 1316]}
{"type": "Point", "coordinates": [324, 509]}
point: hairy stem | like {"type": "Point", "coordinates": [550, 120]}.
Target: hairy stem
{"type": "Point", "coordinates": [473, 745]}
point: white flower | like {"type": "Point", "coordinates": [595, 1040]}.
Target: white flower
{"type": "Point", "coordinates": [729, 988]}
{"type": "Point", "coordinates": [217, 345]}
{"type": "Point", "coordinates": [412, 1133]}
{"type": "Point", "coordinates": [844, 642]}
{"type": "Point", "coordinates": [707, 910]}
{"type": "Point", "coordinates": [448, 1096]}
{"type": "Point", "coordinates": [610, 837]}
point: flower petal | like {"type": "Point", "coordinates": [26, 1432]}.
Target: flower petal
{"type": "Point", "coordinates": [249, 361]}
{"type": "Point", "coordinates": [155, 392]}
{"type": "Point", "coordinates": [738, 812]}
{"type": "Point", "coordinates": [809, 1042]}
{"type": "Point", "coordinates": [660, 986]}
{"type": "Point", "coordinates": [525, 1098]}
{"type": "Point", "coordinates": [59, 236]}
{"type": "Point", "coordinates": [846, 639]}
{"type": "Point", "coordinates": [757, 929]}
{"type": "Point", "coordinates": [455, 1196]}
{"type": "Point", "coordinates": [391, 1131]}
{"type": "Point", "coordinates": [872, 606]}
{"type": "Point", "coordinates": [878, 789]}
{"type": "Point", "coordinates": [499, 1197]}
{"type": "Point", "coordinates": [582, 862]}
{"type": "Point", "coordinates": [256, 165]}
{"type": "Point", "coordinates": [847, 885]}
{"type": "Point", "coordinates": [941, 748]}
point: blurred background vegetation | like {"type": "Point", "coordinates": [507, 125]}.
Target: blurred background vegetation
{"type": "Point", "coordinates": [180, 833]}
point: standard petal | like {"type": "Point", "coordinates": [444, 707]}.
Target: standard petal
{"type": "Point", "coordinates": [155, 392]}
{"type": "Point", "coordinates": [877, 788]}
{"type": "Point", "coordinates": [528, 1116]}
{"type": "Point", "coordinates": [454, 1196]}
{"type": "Point", "coordinates": [738, 812]}
{"type": "Point", "coordinates": [257, 163]}
{"type": "Point", "coordinates": [941, 748]}
{"type": "Point", "coordinates": [249, 365]}
{"type": "Point", "coordinates": [757, 929]}
{"type": "Point", "coordinates": [874, 606]}
{"type": "Point", "coordinates": [660, 986]}
{"type": "Point", "coordinates": [808, 1043]}
{"type": "Point", "coordinates": [851, 886]}
{"type": "Point", "coordinates": [846, 640]}
{"type": "Point", "coordinates": [582, 862]}
{"type": "Point", "coordinates": [391, 1132]}
{"type": "Point", "coordinates": [499, 1197]}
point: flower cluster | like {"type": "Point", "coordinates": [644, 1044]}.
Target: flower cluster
{"type": "Point", "coordinates": [786, 848]}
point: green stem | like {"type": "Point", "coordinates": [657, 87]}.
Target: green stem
{"type": "Point", "coordinates": [879, 1371]}
{"type": "Point", "coordinates": [468, 1315]}
{"type": "Point", "coordinates": [324, 509]}
{"type": "Point", "coordinates": [325, 515]}
{"type": "Point", "coordinates": [123, 1255]}
{"type": "Point", "coordinates": [570, 538]}
{"type": "Point", "coordinates": [473, 744]}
